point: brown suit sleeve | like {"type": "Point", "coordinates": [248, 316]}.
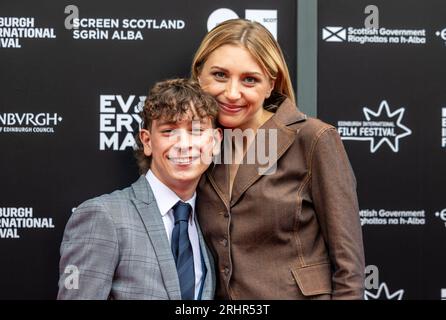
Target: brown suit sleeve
{"type": "Point", "coordinates": [333, 187]}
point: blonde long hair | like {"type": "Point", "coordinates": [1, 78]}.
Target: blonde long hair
{"type": "Point", "coordinates": [259, 42]}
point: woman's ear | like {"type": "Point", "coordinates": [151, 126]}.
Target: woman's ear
{"type": "Point", "coordinates": [145, 137]}
{"type": "Point", "coordinates": [272, 83]}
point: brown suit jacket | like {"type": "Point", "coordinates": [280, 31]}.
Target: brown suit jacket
{"type": "Point", "coordinates": [293, 234]}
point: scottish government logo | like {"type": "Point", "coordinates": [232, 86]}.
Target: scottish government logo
{"type": "Point", "coordinates": [334, 34]}
{"type": "Point", "coordinates": [373, 35]}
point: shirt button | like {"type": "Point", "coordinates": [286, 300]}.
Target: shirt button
{"type": "Point", "coordinates": [226, 214]}
{"type": "Point", "coordinates": [226, 271]}
{"type": "Point", "coordinates": [224, 242]}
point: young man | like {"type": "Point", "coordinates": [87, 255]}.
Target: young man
{"type": "Point", "coordinates": [143, 242]}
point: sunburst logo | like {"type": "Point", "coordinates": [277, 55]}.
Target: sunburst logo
{"type": "Point", "coordinates": [380, 128]}
{"type": "Point", "coordinates": [383, 293]}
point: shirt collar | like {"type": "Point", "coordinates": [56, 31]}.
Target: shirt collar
{"type": "Point", "coordinates": [165, 197]}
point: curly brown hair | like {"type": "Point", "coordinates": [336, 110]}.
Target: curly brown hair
{"type": "Point", "coordinates": [171, 100]}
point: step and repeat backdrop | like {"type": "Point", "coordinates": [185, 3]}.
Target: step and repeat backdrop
{"type": "Point", "coordinates": [382, 83]}
{"type": "Point", "coordinates": [73, 75]}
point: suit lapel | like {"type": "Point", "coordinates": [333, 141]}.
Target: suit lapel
{"type": "Point", "coordinates": [148, 210]}
{"type": "Point", "coordinates": [208, 284]}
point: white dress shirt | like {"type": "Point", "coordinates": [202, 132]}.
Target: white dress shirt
{"type": "Point", "coordinates": [166, 199]}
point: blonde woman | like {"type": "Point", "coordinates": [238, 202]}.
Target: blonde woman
{"type": "Point", "coordinates": [291, 231]}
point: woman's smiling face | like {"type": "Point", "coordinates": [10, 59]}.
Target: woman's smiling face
{"type": "Point", "coordinates": [238, 83]}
